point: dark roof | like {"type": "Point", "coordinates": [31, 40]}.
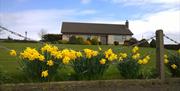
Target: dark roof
{"type": "Point", "coordinates": [94, 28]}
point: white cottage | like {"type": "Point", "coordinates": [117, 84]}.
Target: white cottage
{"type": "Point", "coordinates": [106, 33]}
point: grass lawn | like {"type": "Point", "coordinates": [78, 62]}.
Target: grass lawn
{"type": "Point", "coordinates": [10, 64]}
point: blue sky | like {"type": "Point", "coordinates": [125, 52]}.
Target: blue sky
{"type": "Point", "coordinates": [145, 16]}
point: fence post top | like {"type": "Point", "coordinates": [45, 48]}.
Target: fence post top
{"type": "Point", "coordinates": [159, 30]}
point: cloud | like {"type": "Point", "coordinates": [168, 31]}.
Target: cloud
{"type": "Point", "coordinates": [33, 21]}
{"type": "Point", "coordinates": [168, 20]}
{"type": "Point", "coordinates": [21, 1]}
{"type": "Point", "coordinates": [146, 3]}
{"type": "Point", "coordinates": [85, 1]}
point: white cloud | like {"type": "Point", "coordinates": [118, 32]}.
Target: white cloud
{"type": "Point", "coordinates": [168, 21]}
{"type": "Point", "coordinates": [22, 1]}
{"type": "Point", "coordinates": [85, 1]}
{"type": "Point", "coordinates": [33, 21]}
{"type": "Point", "coordinates": [162, 3]}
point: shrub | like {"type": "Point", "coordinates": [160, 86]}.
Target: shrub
{"type": "Point", "coordinates": [100, 43]}
{"type": "Point", "coordinates": [116, 43]}
{"type": "Point", "coordinates": [80, 40]}
{"type": "Point", "coordinates": [62, 42]}
{"type": "Point", "coordinates": [131, 41]}
{"type": "Point", "coordinates": [51, 37]}
{"type": "Point", "coordinates": [173, 64]}
{"type": "Point", "coordinates": [144, 43]}
{"type": "Point", "coordinates": [172, 46]}
{"type": "Point", "coordinates": [129, 65]}
{"type": "Point", "coordinates": [72, 40]}
{"type": "Point", "coordinates": [87, 42]}
{"type": "Point", "coordinates": [153, 43]}
{"type": "Point", "coordinates": [76, 40]}
{"type": "Point", "coordinates": [94, 41]}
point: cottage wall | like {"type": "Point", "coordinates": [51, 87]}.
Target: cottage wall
{"type": "Point", "coordinates": [118, 38]}
{"type": "Point", "coordinates": [110, 38]}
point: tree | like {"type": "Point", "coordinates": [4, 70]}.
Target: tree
{"type": "Point", "coordinates": [144, 43]}
{"type": "Point", "coordinates": [42, 32]}
{"type": "Point", "coordinates": [94, 41]}
{"type": "Point", "coordinates": [131, 41]}
{"type": "Point", "coordinates": [153, 43]}
{"type": "Point", "coordinates": [51, 37]}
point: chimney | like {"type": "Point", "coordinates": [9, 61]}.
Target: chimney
{"type": "Point", "coordinates": [127, 23]}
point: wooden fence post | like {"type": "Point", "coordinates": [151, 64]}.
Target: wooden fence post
{"type": "Point", "coordinates": [160, 54]}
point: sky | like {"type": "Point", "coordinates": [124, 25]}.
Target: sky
{"type": "Point", "coordinates": [144, 16]}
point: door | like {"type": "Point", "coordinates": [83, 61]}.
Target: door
{"type": "Point", "coordinates": [103, 39]}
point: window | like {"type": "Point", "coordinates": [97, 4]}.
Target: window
{"type": "Point", "coordinates": [117, 38]}
{"type": "Point", "coordinates": [123, 37]}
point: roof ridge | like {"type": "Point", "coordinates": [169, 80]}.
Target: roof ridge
{"type": "Point", "coordinates": [94, 23]}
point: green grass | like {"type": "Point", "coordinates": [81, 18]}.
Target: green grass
{"type": "Point", "coordinates": [10, 64]}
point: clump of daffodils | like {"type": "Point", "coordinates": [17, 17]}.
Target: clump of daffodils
{"type": "Point", "coordinates": [129, 65]}
{"type": "Point", "coordinates": [172, 62]}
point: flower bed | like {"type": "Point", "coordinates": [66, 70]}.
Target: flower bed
{"type": "Point", "coordinates": [42, 64]}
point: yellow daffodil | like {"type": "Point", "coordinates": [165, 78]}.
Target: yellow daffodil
{"type": "Point", "coordinates": [99, 48]}
{"type": "Point", "coordinates": [165, 56]}
{"type": "Point", "coordinates": [147, 57]}
{"type": "Point", "coordinates": [144, 61]}
{"type": "Point", "coordinates": [136, 56]}
{"type": "Point", "coordinates": [90, 53]}
{"type": "Point", "coordinates": [59, 55]}
{"type": "Point", "coordinates": [123, 55]}
{"type": "Point", "coordinates": [112, 57]}
{"type": "Point", "coordinates": [13, 53]}
{"type": "Point", "coordinates": [102, 61]}
{"type": "Point", "coordinates": [50, 63]}
{"type": "Point", "coordinates": [135, 49]}
{"type": "Point", "coordinates": [49, 48]}
{"type": "Point", "coordinates": [140, 61]}
{"type": "Point", "coordinates": [66, 60]}
{"type": "Point", "coordinates": [44, 73]}
{"type": "Point", "coordinates": [178, 51]}
{"type": "Point", "coordinates": [79, 54]}
{"type": "Point", "coordinates": [120, 59]}
{"type": "Point", "coordinates": [166, 61]}
{"type": "Point", "coordinates": [31, 54]}
{"type": "Point", "coordinates": [174, 66]}
{"type": "Point", "coordinates": [41, 58]}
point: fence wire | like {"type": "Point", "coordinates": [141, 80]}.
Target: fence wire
{"type": "Point", "coordinates": [17, 34]}
{"type": "Point", "coordinates": [171, 39]}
